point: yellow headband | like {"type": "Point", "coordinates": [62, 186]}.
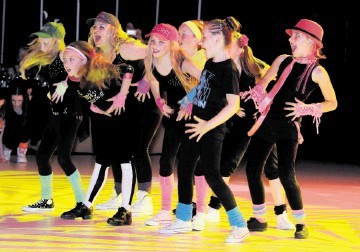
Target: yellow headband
{"type": "Point", "coordinates": [194, 29]}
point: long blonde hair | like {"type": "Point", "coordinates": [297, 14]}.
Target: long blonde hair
{"type": "Point", "coordinates": [177, 55]}
{"type": "Point", "coordinates": [251, 65]}
{"type": "Point", "coordinates": [35, 57]}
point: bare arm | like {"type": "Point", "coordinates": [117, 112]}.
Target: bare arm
{"type": "Point", "coordinates": [155, 89]}
{"type": "Point", "coordinates": [132, 51]}
{"type": "Point", "coordinates": [190, 68]}
{"type": "Point", "coordinates": [271, 73]}
{"type": "Point", "coordinates": [299, 108]}
{"type": "Point", "coordinates": [321, 77]}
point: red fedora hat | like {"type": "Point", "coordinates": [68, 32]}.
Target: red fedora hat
{"type": "Point", "coordinates": [311, 28]}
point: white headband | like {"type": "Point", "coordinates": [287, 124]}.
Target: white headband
{"type": "Point", "coordinates": [82, 55]}
{"type": "Point", "coordinates": [193, 27]}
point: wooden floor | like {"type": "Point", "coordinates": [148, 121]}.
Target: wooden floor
{"type": "Point", "coordinates": [331, 194]}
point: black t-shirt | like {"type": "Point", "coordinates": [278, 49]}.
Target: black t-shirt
{"type": "Point", "coordinates": [99, 97]}
{"type": "Point", "coordinates": [217, 80]}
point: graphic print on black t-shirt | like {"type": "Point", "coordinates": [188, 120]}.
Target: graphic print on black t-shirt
{"type": "Point", "coordinates": [203, 89]}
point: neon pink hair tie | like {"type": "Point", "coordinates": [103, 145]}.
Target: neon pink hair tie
{"type": "Point", "coordinates": [244, 40]}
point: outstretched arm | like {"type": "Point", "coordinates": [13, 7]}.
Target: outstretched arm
{"type": "Point", "coordinates": [133, 51]}
{"type": "Point", "coordinates": [119, 99]}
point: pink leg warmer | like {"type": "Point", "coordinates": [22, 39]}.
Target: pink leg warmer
{"type": "Point", "coordinates": [167, 187]}
{"type": "Point", "coordinates": [201, 188]}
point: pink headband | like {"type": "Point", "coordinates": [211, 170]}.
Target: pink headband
{"type": "Point", "coordinates": [82, 55]}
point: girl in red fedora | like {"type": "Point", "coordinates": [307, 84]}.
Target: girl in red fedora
{"type": "Point", "coordinates": [236, 140]}
{"type": "Point", "coordinates": [280, 110]}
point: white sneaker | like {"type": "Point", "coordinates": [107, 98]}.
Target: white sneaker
{"type": "Point", "coordinates": [199, 221]}
{"type": "Point", "coordinates": [113, 203]}
{"type": "Point", "coordinates": [283, 222]}
{"type": "Point", "coordinates": [7, 153]}
{"type": "Point", "coordinates": [213, 215]}
{"type": "Point", "coordinates": [144, 204]}
{"type": "Point", "coordinates": [238, 234]}
{"type": "Point", "coordinates": [21, 159]}
{"type": "Point", "coordinates": [21, 155]}
{"type": "Point", "coordinates": [178, 226]}
{"type": "Point", "coordinates": [163, 217]}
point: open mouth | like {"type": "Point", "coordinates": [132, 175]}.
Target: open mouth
{"type": "Point", "coordinates": [97, 38]}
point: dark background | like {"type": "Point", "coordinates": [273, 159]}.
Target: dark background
{"type": "Point", "coordinates": [263, 23]}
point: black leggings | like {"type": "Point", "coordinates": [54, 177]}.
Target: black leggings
{"type": "Point", "coordinates": [235, 144]}
{"type": "Point", "coordinates": [151, 119]}
{"type": "Point", "coordinates": [143, 122]}
{"type": "Point", "coordinates": [259, 150]}
{"type": "Point", "coordinates": [208, 149]}
{"type": "Point", "coordinates": [60, 135]}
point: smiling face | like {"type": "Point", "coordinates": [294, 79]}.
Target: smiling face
{"type": "Point", "coordinates": [72, 62]}
{"type": "Point", "coordinates": [158, 47]}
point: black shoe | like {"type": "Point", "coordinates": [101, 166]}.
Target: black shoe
{"type": "Point", "coordinates": [254, 225]}
{"type": "Point", "coordinates": [193, 211]}
{"type": "Point", "coordinates": [80, 210]}
{"type": "Point", "coordinates": [42, 205]}
{"type": "Point", "coordinates": [122, 217]}
{"type": "Point", "coordinates": [301, 232]}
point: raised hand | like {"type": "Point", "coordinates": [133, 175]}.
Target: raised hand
{"type": "Point", "coordinates": [60, 90]}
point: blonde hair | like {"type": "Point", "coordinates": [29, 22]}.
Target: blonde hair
{"type": "Point", "coordinates": [177, 55]}
{"type": "Point", "coordinates": [119, 36]}
{"type": "Point", "coordinates": [96, 70]}
{"type": "Point", "coordinates": [35, 57]}
{"type": "Point", "coordinates": [251, 65]}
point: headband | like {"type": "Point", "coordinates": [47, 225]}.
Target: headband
{"type": "Point", "coordinates": [82, 55]}
{"type": "Point", "coordinates": [193, 27]}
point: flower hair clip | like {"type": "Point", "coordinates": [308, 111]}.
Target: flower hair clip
{"type": "Point", "coordinates": [244, 40]}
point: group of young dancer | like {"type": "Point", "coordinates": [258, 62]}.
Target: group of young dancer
{"type": "Point", "coordinates": [216, 101]}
